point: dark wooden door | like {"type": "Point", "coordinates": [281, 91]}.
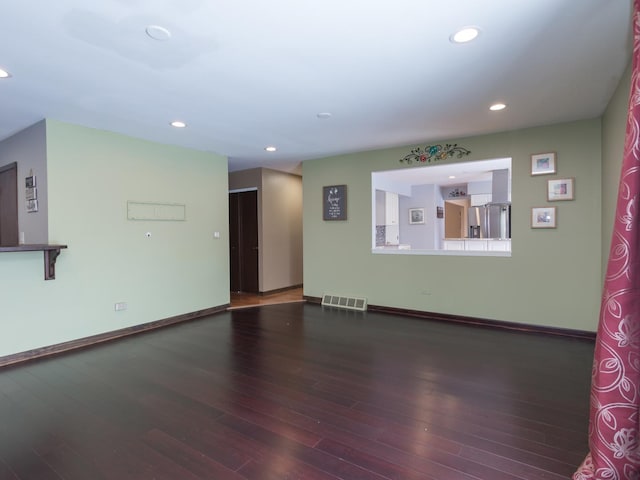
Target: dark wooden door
{"type": "Point", "coordinates": [243, 241]}
{"type": "Point", "coordinates": [9, 205]}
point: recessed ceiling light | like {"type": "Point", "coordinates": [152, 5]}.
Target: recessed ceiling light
{"type": "Point", "coordinates": [465, 35]}
{"type": "Point", "coordinates": [497, 107]}
{"type": "Point", "coordinates": [4, 74]}
{"type": "Point", "coordinates": [452, 176]}
{"type": "Point", "coordinates": [323, 115]}
{"type": "Point", "coordinates": [270, 148]}
{"type": "Point", "coordinates": [158, 33]}
{"type": "Point", "coordinates": [178, 124]}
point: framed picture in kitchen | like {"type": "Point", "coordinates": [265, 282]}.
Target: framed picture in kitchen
{"type": "Point", "coordinates": [334, 202]}
{"type": "Point", "coordinates": [416, 216]}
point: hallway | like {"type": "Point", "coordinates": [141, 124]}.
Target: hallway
{"type": "Point", "coordinates": [244, 300]}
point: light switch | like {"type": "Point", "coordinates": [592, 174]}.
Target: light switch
{"type": "Point", "coordinates": [216, 234]}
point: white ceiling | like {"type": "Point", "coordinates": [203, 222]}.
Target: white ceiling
{"type": "Point", "coordinates": [245, 74]}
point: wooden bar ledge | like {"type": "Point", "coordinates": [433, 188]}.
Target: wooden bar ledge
{"type": "Point", "coordinates": [51, 253]}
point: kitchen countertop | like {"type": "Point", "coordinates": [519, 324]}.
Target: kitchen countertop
{"type": "Point", "coordinates": [483, 239]}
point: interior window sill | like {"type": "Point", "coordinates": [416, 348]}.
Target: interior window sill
{"type": "Point", "coordinates": [448, 253]}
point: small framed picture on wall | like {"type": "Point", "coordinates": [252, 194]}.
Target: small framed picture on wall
{"type": "Point", "coordinates": [543, 163]}
{"type": "Point", "coordinates": [560, 189]}
{"type": "Point", "coordinates": [32, 206]}
{"type": "Point", "coordinates": [416, 216]}
{"type": "Point", "coordinates": [543, 217]}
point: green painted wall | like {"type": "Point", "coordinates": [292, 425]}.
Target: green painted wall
{"type": "Point", "coordinates": [180, 269]}
{"type": "Point", "coordinates": [552, 277]}
{"type": "Point", "coordinates": [614, 123]}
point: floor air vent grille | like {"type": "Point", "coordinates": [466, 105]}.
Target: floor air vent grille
{"type": "Point", "coordinates": [352, 303]}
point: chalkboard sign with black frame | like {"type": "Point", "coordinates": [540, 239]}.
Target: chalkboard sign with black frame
{"type": "Point", "coordinates": [334, 202]}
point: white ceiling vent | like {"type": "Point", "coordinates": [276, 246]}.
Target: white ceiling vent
{"type": "Point", "coordinates": [352, 303]}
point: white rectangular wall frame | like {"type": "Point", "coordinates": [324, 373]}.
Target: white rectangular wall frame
{"type": "Point", "coordinates": [174, 212]}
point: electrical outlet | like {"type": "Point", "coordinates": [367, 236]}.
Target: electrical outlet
{"type": "Point", "coordinates": [120, 306]}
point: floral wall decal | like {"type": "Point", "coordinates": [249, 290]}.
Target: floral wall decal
{"type": "Point", "coordinates": [431, 153]}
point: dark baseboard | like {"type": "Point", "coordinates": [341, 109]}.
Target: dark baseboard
{"type": "Point", "coordinates": [479, 322]}
{"type": "Point", "coordinates": [107, 336]}
{"type": "Point", "coordinates": [280, 290]}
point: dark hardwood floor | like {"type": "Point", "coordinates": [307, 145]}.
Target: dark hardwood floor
{"type": "Point", "coordinates": [295, 391]}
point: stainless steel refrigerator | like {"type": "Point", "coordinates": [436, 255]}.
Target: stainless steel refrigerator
{"type": "Point", "coordinates": [492, 220]}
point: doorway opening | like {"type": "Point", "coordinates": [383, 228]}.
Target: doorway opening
{"type": "Point", "coordinates": [243, 241]}
{"type": "Point", "coordinates": [455, 218]}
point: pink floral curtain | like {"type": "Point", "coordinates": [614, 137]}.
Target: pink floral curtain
{"type": "Point", "coordinates": [615, 388]}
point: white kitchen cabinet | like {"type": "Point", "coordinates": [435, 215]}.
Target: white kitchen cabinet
{"type": "Point", "coordinates": [478, 244]}
{"type": "Point", "coordinates": [387, 216]}
{"type": "Point", "coordinates": [475, 245]}
{"type": "Point", "coordinates": [391, 212]}
{"type": "Point", "coordinates": [392, 235]}
{"type": "Point", "coordinates": [457, 244]}
{"type": "Point", "coordinates": [391, 208]}
{"type": "Point", "coordinates": [500, 245]}
{"type": "Point", "coordinates": [480, 199]}
{"type": "Point", "coordinates": [380, 207]}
